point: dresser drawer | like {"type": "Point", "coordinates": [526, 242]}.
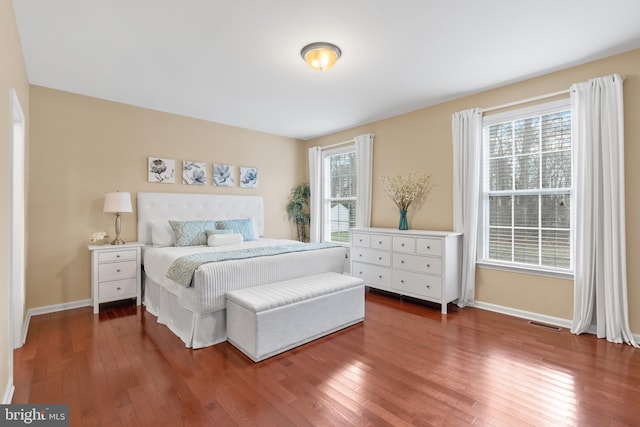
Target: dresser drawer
{"type": "Point", "coordinates": [371, 256]}
{"type": "Point", "coordinates": [381, 242]}
{"type": "Point", "coordinates": [362, 240]}
{"type": "Point", "coordinates": [404, 244]}
{"type": "Point", "coordinates": [123, 255]}
{"type": "Point", "coordinates": [421, 264]}
{"type": "Point", "coordinates": [372, 274]}
{"type": "Point", "coordinates": [117, 271]}
{"type": "Point", "coordinates": [117, 289]}
{"type": "Point", "coordinates": [429, 247]}
{"type": "Point", "coordinates": [419, 284]}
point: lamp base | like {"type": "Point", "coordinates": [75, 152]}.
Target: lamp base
{"type": "Point", "coordinates": [118, 241]}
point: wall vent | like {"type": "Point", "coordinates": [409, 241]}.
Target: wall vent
{"type": "Point", "coordinates": [544, 325]}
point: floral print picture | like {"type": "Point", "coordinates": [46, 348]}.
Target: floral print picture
{"type": "Point", "coordinates": [223, 175]}
{"type": "Point", "coordinates": [249, 177]}
{"type": "Point", "coordinates": [162, 170]}
{"type": "Point", "coordinates": [194, 173]}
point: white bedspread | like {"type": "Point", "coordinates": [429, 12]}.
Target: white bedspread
{"type": "Point", "coordinates": [213, 280]}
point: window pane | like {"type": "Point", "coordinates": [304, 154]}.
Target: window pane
{"type": "Point", "coordinates": [556, 248]}
{"type": "Point", "coordinates": [501, 140]}
{"type": "Point", "coordinates": [527, 172]}
{"type": "Point", "coordinates": [343, 217]}
{"type": "Point", "coordinates": [524, 157]}
{"type": "Point", "coordinates": [500, 174]}
{"type": "Point", "coordinates": [527, 135]}
{"type": "Point", "coordinates": [556, 210]}
{"type": "Point", "coordinates": [556, 169]}
{"type": "Point", "coordinates": [343, 175]}
{"type": "Point", "coordinates": [525, 212]}
{"type": "Point", "coordinates": [525, 246]}
{"type": "Point", "coordinates": [556, 131]}
{"type": "Point", "coordinates": [500, 210]}
{"type": "Point", "coordinates": [500, 244]}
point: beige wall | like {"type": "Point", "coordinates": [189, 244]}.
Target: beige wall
{"type": "Point", "coordinates": [421, 141]}
{"type": "Point", "coordinates": [82, 148]}
{"type": "Point", "coordinates": [12, 75]}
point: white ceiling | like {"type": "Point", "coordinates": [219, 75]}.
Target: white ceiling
{"type": "Point", "coordinates": [238, 62]}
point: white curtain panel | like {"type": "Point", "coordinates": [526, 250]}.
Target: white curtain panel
{"type": "Point", "coordinates": [467, 150]}
{"type": "Point", "coordinates": [600, 290]}
{"type": "Point", "coordinates": [364, 164]}
{"type": "Point", "coordinates": [315, 187]}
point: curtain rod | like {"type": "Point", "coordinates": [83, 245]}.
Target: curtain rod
{"type": "Point", "coordinates": [324, 147]}
{"type": "Point", "coordinates": [535, 98]}
{"type": "Point", "coordinates": [524, 101]}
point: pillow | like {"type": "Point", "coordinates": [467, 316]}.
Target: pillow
{"type": "Point", "coordinates": [239, 226]}
{"type": "Point", "coordinates": [216, 239]}
{"type": "Point", "coordinates": [191, 233]}
{"type": "Point", "coordinates": [161, 234]}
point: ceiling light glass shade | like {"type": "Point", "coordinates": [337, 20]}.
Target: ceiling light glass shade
{"type": "Point", "coordinates": [321, 56]}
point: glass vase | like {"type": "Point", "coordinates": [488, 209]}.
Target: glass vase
{"type": "Point", "coordinates": [404, 225]}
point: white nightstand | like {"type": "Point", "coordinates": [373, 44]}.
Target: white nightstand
{"type": "Point", "coordinates": [115, 273]}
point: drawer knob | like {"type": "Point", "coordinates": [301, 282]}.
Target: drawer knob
{"type": "Point", "coordinates": [428, 265]}
{"type": "Point", "coordinates": [380, 242]}
{"type": "Point", "coordinates": [428, 247]}
{"type": "Point", "coordinates": [118, 270]}
{"type": "Point", "coordinates": [402, 262]}
{"type": "Point", "coordinates": [402, 281]}
{"type": "Point", "coordinates": [428, 286]}
{"type": "Point", "coordinates": [361, 240]}
{"type": "Point", "coordinates": [118, 288]}
{"type": "Point", "coordinates": [379, 258]}
{"type": "Point", "coordinates": [402, 244]}
{"type": "Point", "coordinates": [361, 273]}
{"type": "Point", "coordinates": [380, 276]}
{"type": "Point", "coordinates": [360, 255]}
{"type": "Point", "coordinates": [117, 256]}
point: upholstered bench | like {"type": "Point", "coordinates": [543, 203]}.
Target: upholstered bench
{"type": "Point", "coordinates": [270, 319]}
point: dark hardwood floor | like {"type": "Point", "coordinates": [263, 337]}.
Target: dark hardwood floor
{"type": "Point", "coordinates": [405, 365]}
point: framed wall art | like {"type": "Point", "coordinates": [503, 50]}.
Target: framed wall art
{"type": "Point", "coordinates": [161, 170]}
{"type": "Point", "coordinates": [248, 177]}
{"type": "Point", "coordinates": [194, 173]}
{"type": "Point", "coordinates": [223, 175]}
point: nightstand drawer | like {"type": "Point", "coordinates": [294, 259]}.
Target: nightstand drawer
{"type": "Point", "coordinates": [371, 256]}
{"type": "Point", "coordinates": [416, 283]}
{"type": "Point", "coordinates": [422, 264]}
{"type": "Point", "coordinates": [117, 271]}
{"type": "Point", "coordinates": [117, 289]}
{"type": "Point", "coordinates": [123, 255]}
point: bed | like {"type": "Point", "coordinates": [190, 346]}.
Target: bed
{"type": "Point", "coordinates": [197, 313]}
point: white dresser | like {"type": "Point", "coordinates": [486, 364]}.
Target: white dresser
{"type": "Point", "coordinates": [415, 263]}
{"type": "Point", "coordinates": [115, 273]}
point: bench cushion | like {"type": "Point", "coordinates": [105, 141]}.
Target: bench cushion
{"type": "Point", "coordinates": [266, 320]}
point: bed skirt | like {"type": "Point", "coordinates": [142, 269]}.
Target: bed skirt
{"type": "Point", "coordinates": [196, 330]}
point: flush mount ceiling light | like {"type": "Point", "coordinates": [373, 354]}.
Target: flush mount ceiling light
{"type": "Point", "coordinates": [320, 56]}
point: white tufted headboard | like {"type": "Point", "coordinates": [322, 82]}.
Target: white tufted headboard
{"type": "Point", "coordinates": [189, 206]}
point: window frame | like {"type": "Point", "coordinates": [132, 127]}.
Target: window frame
{"type": "Point", "coordinates": [325, 231]}
{"type": "Point", "coordinates": [483, 217]}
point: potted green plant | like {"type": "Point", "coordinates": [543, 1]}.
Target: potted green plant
{"type": "Point", "coordinates": [298, 210]}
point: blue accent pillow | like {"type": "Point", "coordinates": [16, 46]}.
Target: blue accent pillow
{"type": "Point", "coordinates": [239, 226]}
{"type": "Point", "coordinates": [191, 233]}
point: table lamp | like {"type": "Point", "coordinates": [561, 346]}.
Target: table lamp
{"type": "Point", "coordinates": [117, 203]}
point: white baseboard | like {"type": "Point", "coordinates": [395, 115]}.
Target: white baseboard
{"type": "Point", "coordinates": [8, 392]}
{"type": "Point", "coordinates": [51, 309]}
{"type": "Point", "coordinates": [549, 320]}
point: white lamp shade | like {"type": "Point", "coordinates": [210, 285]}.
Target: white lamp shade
{"type": "Point", "coordinates": [117, 202]}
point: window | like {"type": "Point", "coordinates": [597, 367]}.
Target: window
{"type": "Point", "coordinates": [339, 194]}
{"type": "Point", "coordinates": [527, 188]}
